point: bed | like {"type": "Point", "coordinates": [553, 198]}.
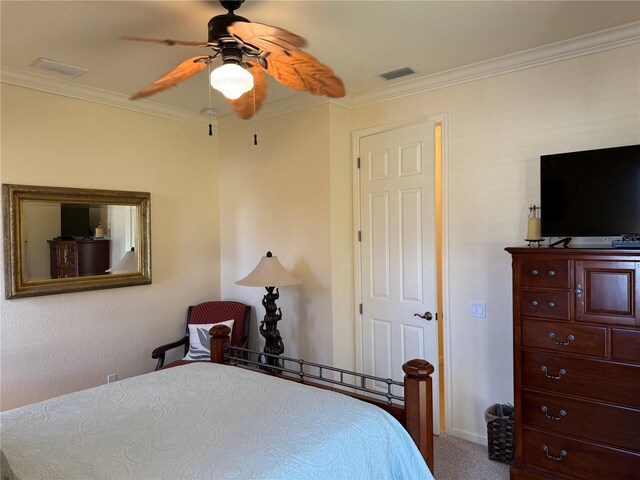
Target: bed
{"type": "Point", "coordinates": [215, 420]}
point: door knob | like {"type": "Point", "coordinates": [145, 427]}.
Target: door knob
{"type": "Point", "coordinates": [426, 316]}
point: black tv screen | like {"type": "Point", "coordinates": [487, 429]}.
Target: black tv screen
{"type": "Point", "coordinates": [591, 193]}
{"type": "Point", "coordinates": [74, 220]}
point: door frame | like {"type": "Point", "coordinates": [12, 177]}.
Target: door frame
{"type": "Point", "coordinates": [356, 136]}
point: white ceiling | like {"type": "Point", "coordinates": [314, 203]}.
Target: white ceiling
{"type": "Point", "coordinates": [358, 39]}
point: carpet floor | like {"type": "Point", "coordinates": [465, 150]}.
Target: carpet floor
{"type": "Point", "coordinates": [457, 459]}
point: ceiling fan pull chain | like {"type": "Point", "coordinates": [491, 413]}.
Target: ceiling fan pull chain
{"type": "Point", "coordinates": [210, 108]}
{"type": "Point", "coordinates": [255, 133]}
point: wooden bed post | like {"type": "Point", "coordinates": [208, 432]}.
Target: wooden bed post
{"type": "Point", "coordinates": [219, 336]}
{"type": "Point", "coordinates": [418, 406]}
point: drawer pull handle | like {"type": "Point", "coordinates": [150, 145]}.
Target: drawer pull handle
{"type": "Point", "coordinates": [545, 410]}
{"type": "Point", "coordinates": [563, 454]}
{"type": "Point", "coordinates": [552, 273]}
{"type": "Point", "coordinates": [552, 304]}
{"type": "Point", "coordinates": [569, 339]}
{"type": "Point", "coordinates": [561, 373]}
{"type": "Point", "coordinates": [535, 272]}
{"type": "Point", "coordinates": [535, 303]}
{"type": "Point", "coordinates": [579, 291]}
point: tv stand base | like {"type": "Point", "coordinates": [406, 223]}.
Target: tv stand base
{"type": "Point", "coordinates": [563, 241]}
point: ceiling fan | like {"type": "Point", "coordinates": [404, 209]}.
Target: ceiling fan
{"type": "Point", "coordinates": [248, 50]}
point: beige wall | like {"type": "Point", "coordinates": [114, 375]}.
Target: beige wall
{"type": "Point", "coordinates": [342, 238]}
{"type": "Point", "coordinates": [43, 219]}
{"type": "Point", "coordinates": [494, 133]}
{"type": "Point", "coordinates": [61, 343]}
{"type": "Point", "coordinates": [275, 196]}
{"type": "Point", "coordinates": [291, 194]}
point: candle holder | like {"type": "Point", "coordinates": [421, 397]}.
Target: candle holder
{"type": "Point", "coordinates": [531, 242]}
{"type": "Point", "coordinates": [533, 226]}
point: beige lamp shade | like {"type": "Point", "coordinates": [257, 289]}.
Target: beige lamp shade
{"type": "Point", "coordinates": [269, 273]}
{"type": "Point", "coordinates": [128, 263]}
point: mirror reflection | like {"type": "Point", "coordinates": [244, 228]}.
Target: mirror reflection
{"type": "Point", "coordinates": [66, 240]}
{"type": "Point", "coordinates": [61, 240]}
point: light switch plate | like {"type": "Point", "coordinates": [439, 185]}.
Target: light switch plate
{"type": "Point", "coordinates": [479, 309]}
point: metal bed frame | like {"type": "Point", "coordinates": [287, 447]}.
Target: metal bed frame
{"type": "Point", "coordinates": [278, 364]}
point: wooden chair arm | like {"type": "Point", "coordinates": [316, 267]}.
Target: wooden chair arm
{"type": "Point", "coordinates": [161, 350]}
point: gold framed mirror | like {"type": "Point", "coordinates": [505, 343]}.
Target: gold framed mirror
{"type": "Point", "coordinates": [59, 240]}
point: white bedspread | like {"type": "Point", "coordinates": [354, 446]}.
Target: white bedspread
{"type": "Point", "coordinates": [206, 421]}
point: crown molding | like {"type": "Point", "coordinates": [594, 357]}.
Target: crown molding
{"type": "Point", "coordinates": [616, 37]}
{"type": "Point", "coordinates": [22, 78]}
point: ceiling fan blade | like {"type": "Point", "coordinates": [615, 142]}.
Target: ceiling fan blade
{"type": "Point", "coordinates": [166, 41]}
{"type": "Point", "coordinates": [302, 71]}
{"type": "Point", "coordinates": [244, 106]}
{"type": "Point", "coordinates": [266, 37]}
{"type": "Point", "coordinates": [185, 70]}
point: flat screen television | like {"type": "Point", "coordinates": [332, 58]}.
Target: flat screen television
{"type": "Point", "coordinates": [74, 220]}
{"type": "Point", "coordinates": [591, 193]}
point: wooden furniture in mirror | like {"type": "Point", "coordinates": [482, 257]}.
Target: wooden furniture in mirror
{"type": "Point", "coordinates": [576, 326]}
{"type": "Point", "coordinates": [79, 258]}
{"type": "Point", "coordinates": [59, 240]}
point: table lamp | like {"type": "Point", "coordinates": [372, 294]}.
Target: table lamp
{"type": "Point", "coordinates": [270, 273]}
{"type": "Point", "coordinates": [127, 264]}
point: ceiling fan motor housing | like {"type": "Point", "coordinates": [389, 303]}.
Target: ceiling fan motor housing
{"type": "Point", "coordinates": [231, 5]}
{"type": "Point", "coordinates": [218, 26]}
{"type": "Point", "coordinates": [231, 53]}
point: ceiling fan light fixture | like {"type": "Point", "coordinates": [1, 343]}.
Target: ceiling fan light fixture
{"type": "Point", "coordinates": [231, 80]}
{"type": "Point", "coordinates": [244, 47]}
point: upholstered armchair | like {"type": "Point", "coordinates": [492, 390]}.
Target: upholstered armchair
{"type": "Point", "coordinates": [196, 348]}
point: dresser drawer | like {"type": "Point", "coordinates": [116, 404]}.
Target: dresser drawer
{"type": "Point", "coordinates": [545, 304]}
{"type": "Point", "coordinates": [582, 377]}
{"type": "Point", "coordinates": [616, 426]}
{"type": "Point", "coordinates": [544, 273]}
{"type": "Point", "coordinates": [563, 337]}
{"type": "Point", "coordinates": [574, 457]}
{"type": "Point", "coordinates": [68, 256]}
{"type": "Point", "coordinates": [625, 345]}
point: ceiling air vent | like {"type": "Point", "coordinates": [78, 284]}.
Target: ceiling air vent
{"type": "Point", "coordinates": [53, 66]}
{"type": "Point", "coordinates": [401, 72]}
{"type": "Point", "coordinates": [209, 111]}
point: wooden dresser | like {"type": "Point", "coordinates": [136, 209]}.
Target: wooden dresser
{"type": "Point", "coordinates": [78, 258]}
{"type": "Point", "coordinates": [576, 327]}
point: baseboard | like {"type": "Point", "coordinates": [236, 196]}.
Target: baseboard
{"type": "Point", "coordinates": [472, 437]}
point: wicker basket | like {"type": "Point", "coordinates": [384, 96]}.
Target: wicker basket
{"type": "Point", "coordinates": [499, 420]}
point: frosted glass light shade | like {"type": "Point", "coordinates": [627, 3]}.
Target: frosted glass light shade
{"type": "Point", "coordinates": [232, 80]}
{"type": "Point", "coordinates": [269, 273]}
{"type": "Point", "coordinates": [128, 264]}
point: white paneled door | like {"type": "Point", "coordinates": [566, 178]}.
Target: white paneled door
{"type": "Point", "coordinates": [398, 252]}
